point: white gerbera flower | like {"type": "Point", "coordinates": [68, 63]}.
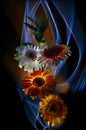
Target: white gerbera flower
{"type": "Point", "coordinates": [27, 56]}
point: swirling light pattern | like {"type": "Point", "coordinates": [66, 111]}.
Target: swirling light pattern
{"type": "Point", "coordinates": [76, 79]}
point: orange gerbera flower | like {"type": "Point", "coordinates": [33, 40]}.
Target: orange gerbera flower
{"type": "Point", "coordinates": [53, 54]}
{"type": "Point", "coordinates": [53, 110]}
{"type": "Point", "coordinates": [39, 83]}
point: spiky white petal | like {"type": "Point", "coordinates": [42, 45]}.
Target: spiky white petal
{"type": "Point", "coordinates": [27, 63]}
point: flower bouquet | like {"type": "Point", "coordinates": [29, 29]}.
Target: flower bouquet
{"type": "Point", "coordinates": [40, 88]}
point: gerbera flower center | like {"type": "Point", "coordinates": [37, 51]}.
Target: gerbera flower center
{"type": "Point", "coordinates": [30, 54]}
{"type": "Point", "coordinates": [52, 52]}
{"type": "Point", "coordinates": [38, 81]}
{"type": "Point", "coordinates": [55, 108]}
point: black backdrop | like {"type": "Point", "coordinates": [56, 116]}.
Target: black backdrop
{"type": "Point", "coordinates": [12, 115]}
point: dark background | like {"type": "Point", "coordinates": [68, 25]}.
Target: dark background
{"type": "Point", "coordinates": [12, 115]}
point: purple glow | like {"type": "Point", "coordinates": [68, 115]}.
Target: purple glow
{"type": "Point", "coordinates": [74, 29]}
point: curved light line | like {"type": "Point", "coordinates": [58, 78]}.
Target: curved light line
{"type": "Point", "coordinates": [58, 39]}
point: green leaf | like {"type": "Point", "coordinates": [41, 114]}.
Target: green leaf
{"type": "Point", "coordinates": [38, 36]}
{"type": "Point", "coordinates": [51, 43]}
{"type": "Point", "coordinates": [41, 43]}
{"type": "Point", "coordinates": [30, 26]}
{"type": "Point", "coordinates": [52, 70]}
{"type": "Point", "coordinates": [44, 40]}
{"type": "Point", "coordinates": [37, 21]}
{"type": "Point", "coordinates": [37, 33]}
{"type": "Point", "coordinates": [44, 25]}
{"type": "Point", "coordinates": [42, 69]}
{"type": "Point", "coordinates": [31, 19]}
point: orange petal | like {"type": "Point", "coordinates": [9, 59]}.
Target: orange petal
{"type": "Point", "coordinates": [26, 85]}
{"type": "Point", "coordinates": [45, 72]}
{"type": "Point", "coordinates": [34, 92]}
{"type": "Point", "coordinates": [37, 72]}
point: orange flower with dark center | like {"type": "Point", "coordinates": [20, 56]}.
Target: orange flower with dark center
{"type": "Point", "coordinates": [39, 83]}
{"type": "Point", "coordinates": [53, 110]}
{"type": "Point", "coordinates": [54, 54]}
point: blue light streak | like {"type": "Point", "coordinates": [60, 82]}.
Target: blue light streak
{"type": "Point", "coordinates": [73, 28]}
